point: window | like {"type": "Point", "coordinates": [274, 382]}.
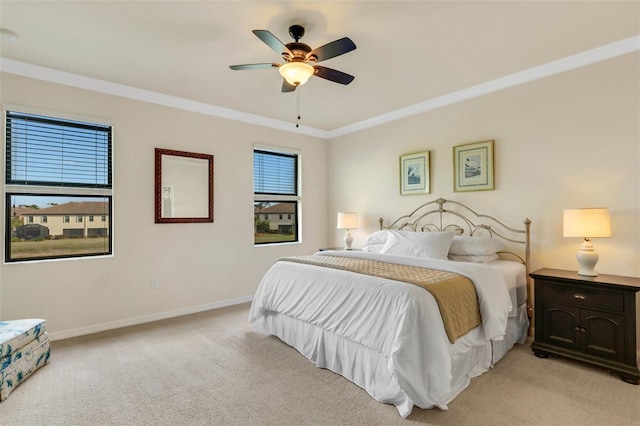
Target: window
{"type": "Point", "coordinates": [276, 192]}
{"type": "Point", "coordinates": [90, 218]}
{"type": "Point", "coordinates": [59, 168]}
{"type": "Point", "coordinates": [29, 219]}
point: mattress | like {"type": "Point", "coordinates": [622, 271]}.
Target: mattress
{"type": "Point", "coordinates": [515, 276]}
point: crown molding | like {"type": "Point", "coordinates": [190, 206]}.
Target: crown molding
{"type": "Point", "coordinates": [82, 82]}
{"type": "Point", "coordinates": [568, 63]}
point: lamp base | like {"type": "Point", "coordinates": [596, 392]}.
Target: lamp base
{"type": "Point", "coordinates": [587, 259]}
{"type": "Point", "coordinates": [348, 240]}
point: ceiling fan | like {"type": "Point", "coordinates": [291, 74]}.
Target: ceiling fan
{"type": "Point", "coordinates": [300, 59]}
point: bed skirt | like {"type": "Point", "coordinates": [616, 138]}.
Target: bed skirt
{"type": "Point", "coordinates": [367, 368]}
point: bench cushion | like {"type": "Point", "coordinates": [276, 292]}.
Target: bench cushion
{"type": "Point", "coordinates": [22, 362]}
{"type": "Point", "coordinates": [18, 333]}
{"type": "Point", "coordinates": [24, 347]}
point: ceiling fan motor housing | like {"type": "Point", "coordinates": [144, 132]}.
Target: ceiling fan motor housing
{"type": "Point", "coordinates": [300, 51]}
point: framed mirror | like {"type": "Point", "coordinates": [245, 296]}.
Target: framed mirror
{"type": "Point", "coordinates": [184, 187]}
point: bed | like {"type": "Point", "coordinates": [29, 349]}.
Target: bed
{"type": "Point", "coordinates": [395, 318]}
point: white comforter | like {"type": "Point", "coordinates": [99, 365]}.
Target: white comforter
{"type": "Point", "coordinates": [399, 321]}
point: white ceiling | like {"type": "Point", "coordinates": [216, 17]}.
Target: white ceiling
{"type": "Point", "coordinates": [410, 56]}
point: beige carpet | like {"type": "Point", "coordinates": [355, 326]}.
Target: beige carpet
{"type": "Point", "coordinates": [212, 368]}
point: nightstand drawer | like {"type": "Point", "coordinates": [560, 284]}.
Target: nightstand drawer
{"type": "Point", "coordinates": [585, 297]}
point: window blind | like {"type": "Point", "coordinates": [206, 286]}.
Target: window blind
{"type": "Point", "coordinates": [275, 173]}
{"type": "Point", "coordinates": [55, 152]}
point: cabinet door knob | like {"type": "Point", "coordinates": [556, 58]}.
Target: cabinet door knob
{"type": "Point", "coordinates": [579, 296]}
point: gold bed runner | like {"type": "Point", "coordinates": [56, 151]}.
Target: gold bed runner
{"type": "Point", "coordinates": [455, 294]}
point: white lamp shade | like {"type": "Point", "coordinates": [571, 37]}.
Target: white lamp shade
{"type": "Point", "coordinates": [296, 73]}
{"type": "Point", "coordinates": [587, 223]}
{"type": "Point", "coordinates": [347, 220]}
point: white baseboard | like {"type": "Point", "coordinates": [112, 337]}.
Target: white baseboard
{"type": "Point", "coordinates": [65, 334]}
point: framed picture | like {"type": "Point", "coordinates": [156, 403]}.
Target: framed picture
{"type": "Point", "coordinates": [473, 167]}
{"type": "Point", "coordinates": [414, 173]}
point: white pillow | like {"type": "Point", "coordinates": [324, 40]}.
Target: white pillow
{"type": "Point", "coordinates": [378, 237]}
{"type": "Point", "coordinates": [434, 245]}
{"type": "Point", "coordinates": [474, 258]}
{"type": "Point", "coordinates": [475, 246]}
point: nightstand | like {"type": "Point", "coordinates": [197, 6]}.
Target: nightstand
{"type": "Point", "coordinates": [591, 319]}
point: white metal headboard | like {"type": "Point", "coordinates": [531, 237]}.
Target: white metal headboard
{"type": "Point", "coordinates": [446, 215]}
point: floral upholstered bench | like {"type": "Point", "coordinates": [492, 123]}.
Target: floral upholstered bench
{"type": "Point", "coordinates": [24, 347]}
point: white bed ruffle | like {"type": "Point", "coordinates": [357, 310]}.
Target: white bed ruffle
{"type": "Point", "coordinates": [367, 368]}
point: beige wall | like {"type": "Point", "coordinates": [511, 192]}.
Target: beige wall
{"type": "Point", "coordinates": [197, 265]}
{"type": "Point", "coordinates": [566, 141]}
{"type": "Point", "coordinates": [571, 140]}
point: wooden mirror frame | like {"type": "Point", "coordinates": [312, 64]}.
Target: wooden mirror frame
{"type": "Point", "coordinates": [159, 153]}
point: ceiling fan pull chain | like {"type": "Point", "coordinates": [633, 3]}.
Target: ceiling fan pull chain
{"type": "Point", "coordinates": [298, 107]}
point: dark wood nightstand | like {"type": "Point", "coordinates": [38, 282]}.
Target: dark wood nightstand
{"type": "Point", "coordinates": [591, 319]}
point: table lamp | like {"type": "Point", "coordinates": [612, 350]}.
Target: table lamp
{"type": "Point", "coordinates": [587, 223]}
{"type": "Point", "coordinates": [347, 220]}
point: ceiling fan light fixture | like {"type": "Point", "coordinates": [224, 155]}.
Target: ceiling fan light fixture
{"type": "Point", "coordinates": [296, 73]}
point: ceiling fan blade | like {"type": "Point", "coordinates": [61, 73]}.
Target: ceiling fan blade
{"type": "Point", "coordinates": [333, 75]}
{"type": "Point", "coordinates": [272, 41]}
{"type": "Point", "coordinates": [286, 87]}
{"type": "Point", "coordinates": [333, 49]}
{"type": "Point", "coordinates": [253, 66]}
